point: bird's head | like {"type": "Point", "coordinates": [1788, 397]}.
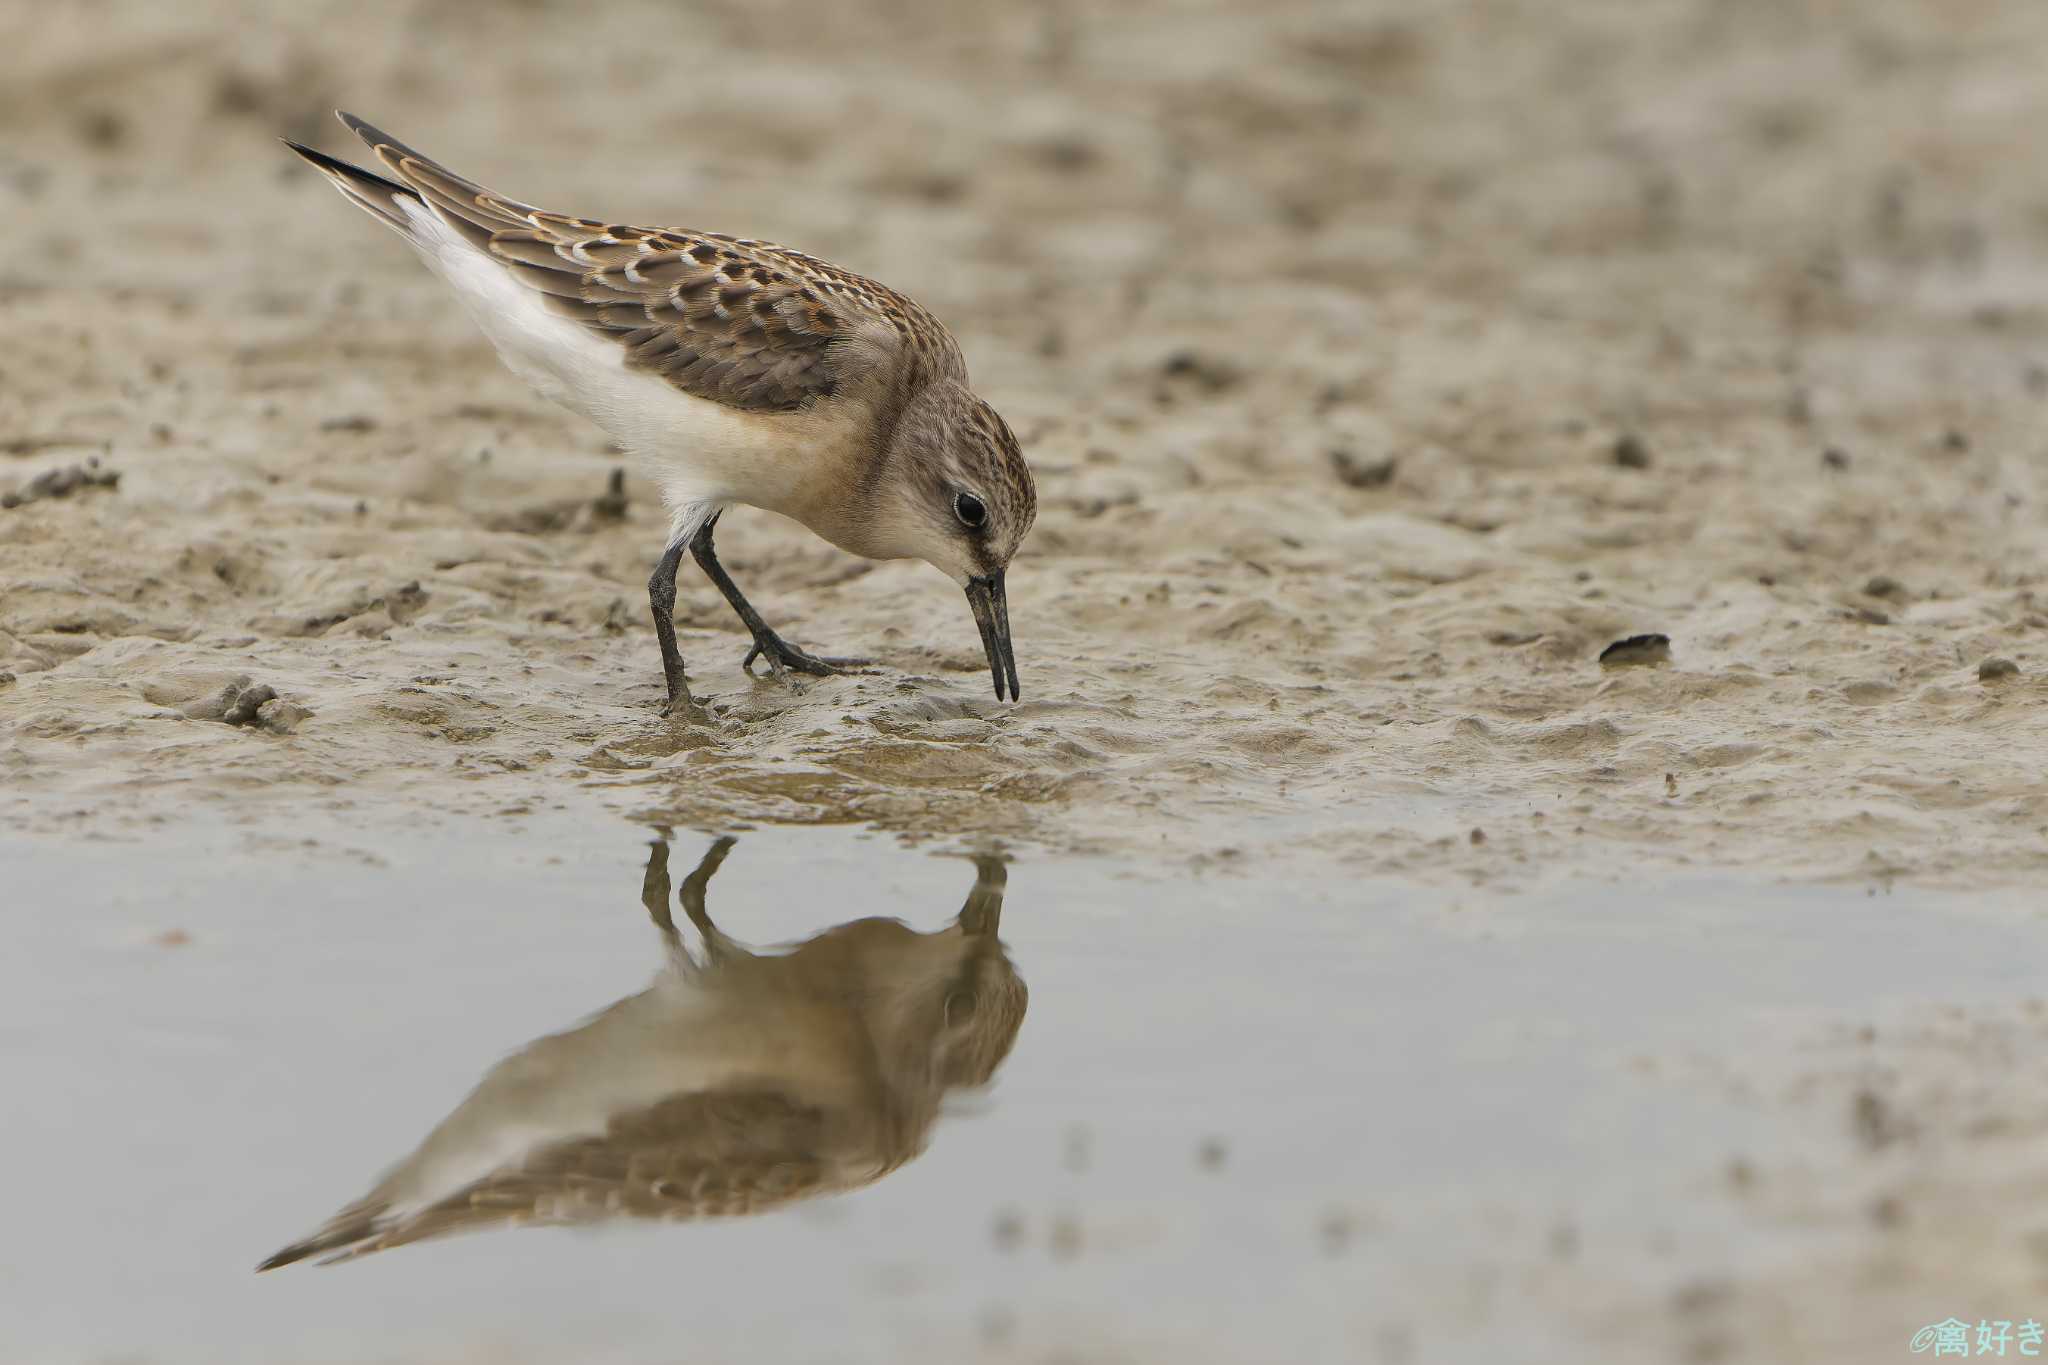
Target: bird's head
{"type": "Point", "coordinates": [953, 490]}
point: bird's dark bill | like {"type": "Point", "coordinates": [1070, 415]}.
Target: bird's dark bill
{"type": "Point", "coordinates": [992, 616]}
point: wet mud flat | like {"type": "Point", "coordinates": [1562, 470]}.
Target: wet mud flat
{"type": "Point", "coordinates": [1539, 337]}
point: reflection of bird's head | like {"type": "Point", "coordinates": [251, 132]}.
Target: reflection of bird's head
{"type": "Point", "coordinates": [981, 1011]}
{"type": "Point", "coordinates": [985, 1005]}
{"type": "Point", "coordinates": [945, 1007]}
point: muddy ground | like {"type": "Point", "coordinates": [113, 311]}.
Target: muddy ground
{"type": "Point", "coordinates": [1381, 365]}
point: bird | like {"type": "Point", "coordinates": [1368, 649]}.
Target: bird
{"type": "Point", "coordinates": [737, 372]}
{"type": "Point", "coordinates": [738, 1082]}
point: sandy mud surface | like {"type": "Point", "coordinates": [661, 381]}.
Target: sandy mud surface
{"type": "Point", "coordinates": [1380, 369]}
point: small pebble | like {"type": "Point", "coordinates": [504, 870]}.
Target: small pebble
{"type": "Point", "coordinates": [1997, 670]}
{"type": "Point", "coordinates": [1835, 458]}
{"type": "Point", "coordinates": [1357, 473]}
{"type": "Point", "coordinates": [1478, 837]}
{"type": "Point", "coordinates": [1883, 586]}
{"type": "Point", "coordinates": [1212, 1154]}
{"type": "Point", "coordinates": [1631, 453]}
{"type": "Point", "coordinates": [1209, 372]}
{"type": "Point", "coordinates": [1637, 651]}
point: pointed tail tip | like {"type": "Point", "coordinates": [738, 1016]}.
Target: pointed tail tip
{"type": "Point", "coordinates": [297, 1252]}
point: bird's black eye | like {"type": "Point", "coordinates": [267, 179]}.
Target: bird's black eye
{"type": "Point", "coordinates": [970, 510]}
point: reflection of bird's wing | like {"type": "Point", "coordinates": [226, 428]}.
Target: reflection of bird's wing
{"type": "Point", "coordinates": [743, 1149]}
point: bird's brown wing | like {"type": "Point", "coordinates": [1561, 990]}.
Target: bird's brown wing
{"type": "Point", "coordinates": [700, 1155]}
{"type": "Point", "coordinates": [745, 323]}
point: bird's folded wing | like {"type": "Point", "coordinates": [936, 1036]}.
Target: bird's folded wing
{"type": "Point", "coordinates": [700, 1155]}
{"type": "Point", "coordinates": [740, 322]}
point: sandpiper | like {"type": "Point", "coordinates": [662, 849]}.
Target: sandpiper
{"type": "Point", "coordinates": [736, 1083]}
{"type": "Point", "coordinates": [738, 371]}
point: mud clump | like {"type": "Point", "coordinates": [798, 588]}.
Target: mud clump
{"type": "Point", "coordinates": [248, 704]}
{"type": "Point", "coordinates": [62, 483]}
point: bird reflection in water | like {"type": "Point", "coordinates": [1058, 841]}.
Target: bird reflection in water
{"type": "Point", "coordinates": [738, 1082]}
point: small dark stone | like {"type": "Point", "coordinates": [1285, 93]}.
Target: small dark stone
{"type": "Point", "coordinates": [1997, 670]}
{"type": "Point", "coordinates": [1631, 453]}
{"type": "Point", "coordinates": [1478, 837]}
{"type": "Point", "coordinates": [1880, 585]}
{"type": "Point", "coordinates": [356, 422]}
{"type": "Point", "coordinates": [1357, 473]}
{"type": "Point", "coordinates": [1955, 442]}
{"type": "Point", "coordinates": [1834, 457]}
{"type": "Point", "coordinates": [1637, 650]}
{"type": "Point", "coordinates": [1210, 373]}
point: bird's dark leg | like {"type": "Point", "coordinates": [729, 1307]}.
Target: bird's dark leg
{"type": "Point", "coordinates": [654, 893]}
{"type": "Point", "coordinates": [779, 653]}
{"type": "Point", "coordinates": [661, 595]}
{"type": "Point", "coordinates": [691, 897]}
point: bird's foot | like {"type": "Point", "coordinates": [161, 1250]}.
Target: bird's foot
{"type": "Point", "coordinates": [784, 658]}
{"type": "Point", "coordinates": [684, 707]}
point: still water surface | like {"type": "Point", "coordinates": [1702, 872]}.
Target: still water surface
{"type": "Point", "coordinates": [1234, 1117]}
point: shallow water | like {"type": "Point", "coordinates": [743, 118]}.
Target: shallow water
{"type": "Point", "coordinates": [1243, 1117]}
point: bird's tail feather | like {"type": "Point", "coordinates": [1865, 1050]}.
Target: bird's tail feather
{"type": "Point", "coordinates": [342, 1234]}
{"type": "Point", "coordinates": [374, 194]}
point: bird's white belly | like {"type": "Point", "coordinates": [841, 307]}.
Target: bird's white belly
{"type": "Point", "coordinates": [701, 454]}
